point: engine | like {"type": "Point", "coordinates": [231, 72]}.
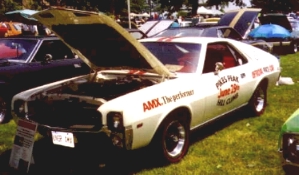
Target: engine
{"type": "Point", "coordinates": [74, 105]}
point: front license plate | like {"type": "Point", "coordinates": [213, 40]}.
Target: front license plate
{"type": "Point", "coordinates": [63, 138]}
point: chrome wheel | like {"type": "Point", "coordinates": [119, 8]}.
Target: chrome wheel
{"type": "Point", "coordinates": [171, 141]}
{"type": "Point", "coordinates": [3, 110]}
{"type": "Point", "coordinates": [174, 139]}
{"type": "Point", "coordinates": [258, 101]}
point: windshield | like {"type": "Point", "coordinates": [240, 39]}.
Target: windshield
{"type": "Point", "coordinates": [16, 49]}
{"type": "Point", "coordinates": [181, 32]}
{"type": "Point", "coordinates": [181, 57]}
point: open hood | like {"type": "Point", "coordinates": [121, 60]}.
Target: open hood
{"type": "Point", "coordinates": [151, 28]}
{"type": "Point", "coordinates": [99, 41]}
{"type": "Point", "coordinates": [241, 20]}
{"type": "Point", "coordinates": [275, 18]}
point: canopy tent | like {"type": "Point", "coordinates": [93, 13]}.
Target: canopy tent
{"type": "Point", "coordinates": [139, 15]}
{"type": "Point", "coordinates": [217, 12]}
{"type": "Point", "coordinates": [23, 16]}
{"type": "Point", "coordinates": [204, 11]}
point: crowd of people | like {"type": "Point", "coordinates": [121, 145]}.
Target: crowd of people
{"type": "Point", "coordinates": [175, 16]}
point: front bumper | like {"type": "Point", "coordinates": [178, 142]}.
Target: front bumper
{"type": "Point", "coordinates": [285, 162]}
{"type": "Point", "coordinates": [101, 135]}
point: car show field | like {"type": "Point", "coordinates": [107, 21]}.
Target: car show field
{"type": "Point", "coordinates": [236, 144]}
{"type": "Point", "coordinates": [186, 100]}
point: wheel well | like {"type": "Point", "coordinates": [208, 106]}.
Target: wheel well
{"type": "Point", "coordinates": [179, 110]}
{"type": "Point", "coordinates": [264, 83]}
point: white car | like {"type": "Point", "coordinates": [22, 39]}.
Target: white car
{"type": "Point", "coordinates": [151, 91]}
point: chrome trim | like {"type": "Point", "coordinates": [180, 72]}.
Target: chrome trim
{"type": "Point", "coordinates": [281, 43]}
{"type": "Point", "coordinates": [128, 137]}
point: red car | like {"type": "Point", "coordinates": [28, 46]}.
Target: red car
{"type": "Point", "coordinates": [11, 52]}
{"type": "Point", "coordinates": [3, 31]}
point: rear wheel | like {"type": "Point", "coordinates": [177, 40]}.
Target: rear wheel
{"type": "Point", "coordinates": [258, 101]}
{"type": "Point", "coordinates": [172, 139]}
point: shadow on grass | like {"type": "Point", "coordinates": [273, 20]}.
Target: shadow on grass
{"type": "Point", "coordinates": [50, 159]}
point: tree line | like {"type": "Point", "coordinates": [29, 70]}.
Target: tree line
{"type": "Point", "coordinates": [119, 7]}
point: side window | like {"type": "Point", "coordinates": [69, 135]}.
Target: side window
{"type": "Point", "coordinates": [223, 53]}
{"type": "Point", "coordinates": [56, 48]}
{"type": "Point", "coordinates": [212, 57]}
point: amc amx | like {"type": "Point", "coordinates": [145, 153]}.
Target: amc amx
{"type": "Point", "coordinates": [148, 92]}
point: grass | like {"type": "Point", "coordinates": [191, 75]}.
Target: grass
{"type": "Point", "coordinates": [235, 144]}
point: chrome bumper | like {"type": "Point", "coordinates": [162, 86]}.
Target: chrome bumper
{"type": "Point", "coordinates": [127, 138]}
{"type": "Point", "coordinates": [286, 162]}
{"type": "Point", "coordinates": [281, 43]}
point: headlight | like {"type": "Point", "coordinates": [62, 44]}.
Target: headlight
{"type": "Point", "coordinates": [19, 108]}
{"type": "Point", "coordinates": [23, 109]}
{"type": "Point", "coordinates": [291, 147]}
{"type": "Point", "coordinates": [115, 121]}
{"type": "Point", "coordinates": [116, 126]}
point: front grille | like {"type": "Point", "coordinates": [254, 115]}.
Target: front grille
{"type": "Point", "coordinates": [65, 114]}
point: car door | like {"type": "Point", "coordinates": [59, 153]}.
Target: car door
{"type": "Point", "coordinates": [226, 89]}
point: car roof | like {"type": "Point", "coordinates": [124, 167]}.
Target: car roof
{"type": "Point", "coordinates": [187, 39]}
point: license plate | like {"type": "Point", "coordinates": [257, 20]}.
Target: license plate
{"type": "Point", "coordinates": [63, 138]}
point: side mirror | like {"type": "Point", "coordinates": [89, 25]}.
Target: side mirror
{"type": "Point", "coordinates": [218, 67]}
{"type": "Point", "coordinates": [47, 58]}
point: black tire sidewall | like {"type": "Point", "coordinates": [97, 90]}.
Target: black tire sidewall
{"type": "Point", "coordinates": [160, 137]}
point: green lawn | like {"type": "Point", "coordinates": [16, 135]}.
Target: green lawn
{"type": "Point", "coordinates": [236, 144]}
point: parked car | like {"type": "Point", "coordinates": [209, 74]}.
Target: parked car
{"type": "Point", "coordinates": [288, 144]}
{"type": "Point", "coordinates": [289, 44]}
{"type": "Point", "coordinates": [153, 27]}
{"type": "Point", "coordinates": [3, 30]}
{"type": "Point", "coordinates": [136, 33]}
{"type": "Point", "coordinates": [13, 29]}
{"type": "Point", "coordinates": [27, 62]}
{"type": "Point", "coordinates": [213, 31]}
{"type": "Point", "coordinates": [242, 20]}
{"type": "Point", "coordinates": [148, 92]}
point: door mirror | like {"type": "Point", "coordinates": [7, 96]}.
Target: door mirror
{"type": "Point", "coordinates": [218, 67]}
{"type": "Point", "coordinates": [47, 58]}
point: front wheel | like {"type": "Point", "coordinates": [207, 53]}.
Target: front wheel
{"type": "Point", "coordinates": [4, 108]}
{"type": "Point", "coordinates": [258, 101]}
{"type": "Point", "coordinates": [172, 138]}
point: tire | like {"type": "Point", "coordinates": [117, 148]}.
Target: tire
{"type": "Point", "coordinates": [4, 108]}
{"type": "Point", "coordinates": [293, 48]}
{"type": "Point", "coordinates": [258, 101]}
{"type": "Point", "coordinates": [171, 142]}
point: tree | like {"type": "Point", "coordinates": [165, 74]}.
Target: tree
{"type": "Point", "coordinates": [284, 6]}
{"type": "Point", "coordinates": [171, 5]}
{"type": "Point", "coordinates": [9, 5]}
{"type": "Point", "coordinates": [218, 3]}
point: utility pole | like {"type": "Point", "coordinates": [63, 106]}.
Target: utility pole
{"type": "Point", "coordinates": [129, 11]}
{"type": "Point", "coordinates": [150, 7]}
